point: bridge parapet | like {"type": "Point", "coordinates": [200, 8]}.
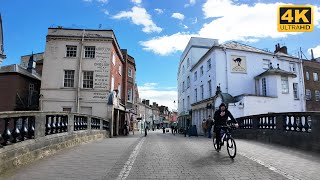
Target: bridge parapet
{"type": "Point", "coordinates": [295, 129]}
{"type": "Point", "coordinates": [29, 135]}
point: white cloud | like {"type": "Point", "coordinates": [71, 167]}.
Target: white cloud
{"type": "Point", "coordinates": [178, 16]}
{"type": "Point", "coordinates": [103, 1]}
{"type": "Point", "coordinates": [139, 16]}
{"type": "Point", "coordinates": [106, 12]}
{"type": "Point", "coordinates": [165, 45]}
{"type": "Point", "coordinates": [316, 51]}
{"type": "Point", "coordinates": [161, 95]}
{"type": "Point", "coordinates": [195, 20]}
{"type": "Point", "coordinates": [239, 22]}
{"type": "Point", "coordinates": [191, 3]}
{"type": "Point", "coordinates": [136, 1]}
{"type": "Point", "coordinates": [87, 0]}
{"type": "Point", "coordinates": [185, 26]}
{"type": "Point", "coordinates": [159, 11]}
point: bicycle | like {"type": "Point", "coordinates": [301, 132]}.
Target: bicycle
{"type": "Point", "coordinates": [226, 136]}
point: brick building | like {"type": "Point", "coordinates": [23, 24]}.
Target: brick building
{"type": "Point", "coordinates": [311, 69]}
{"type": "Point", "coordinates": [19, 88]}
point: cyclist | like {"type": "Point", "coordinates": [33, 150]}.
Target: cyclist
{"type": "Point", "coordinates": [220, 119]}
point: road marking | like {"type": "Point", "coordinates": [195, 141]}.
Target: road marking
{"type": "Point", "coordinates": [128, 165]}
{"type": "Point", "coordinates": [269, 166]}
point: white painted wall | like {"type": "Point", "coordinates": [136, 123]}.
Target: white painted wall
{"type": "Point", "coordinates": [55, 95]}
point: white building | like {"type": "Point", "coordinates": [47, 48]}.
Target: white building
{"type": "Point", "coordinates": [195, 49]}
{"type": "Point", "coordinates": [247, 82]}
{"type": "Point", "coordinates": [80, 70]}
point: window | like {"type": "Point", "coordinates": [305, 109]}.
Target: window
{"type": "Point", "coordinates": [292, 67]}
{"type": "Point", "coordinates": [209, 64]}
{"type": "Point", "coordinates": [89, 51]}
{"type": "Point", "coordinates": [183, 86]}
{"type": "Point", "coordinates": [188, 102]}
{"type": "Point", "coordinates": [31, 88]}
{"type": "Point", "coordinates": [119, 90]}
{"type": "Point", "coordinates": [315, 77]}
{"type": "Point", "coordinates": [183, 105]}
{"type": "Point", "coordinates": [88, 79]}
{"type": "Point", "coordinates": [264, 87]}
{"type": "Point", "coordinates": [295, 91]}
{"type": "Point", "coordinates": [113, 59]}
{"type": "Point", "coordinates": [188, 82]}
{"type": "Point", "coordinates": [71, 51]}
{"type": "Point", "coordinates": [266, 64]}
{"type": "Point", "coordinates": [201, 88]}
{"type": "Point", "coordinates": [120, 70]}
{"type": "Point", "coordinates": [317, 94]}
{"type": "Point", "coordinates": [201, 70]}
{"type": "Point", "coordinates": [130, 95]}
{"type": "Point", "coordinates": [196, 95]}
{"type": "Point", "coordinates": [307, 76]}
{"type": "Point", "coordinates": [285, 85]}
{"type": "Point", "coordinates": [188, 62]}
{"type": "Point", "coordinates": [195, 76]}
{"type": "Point", "coordinates": [112, 83]}
{"type": "Point", "coordinates": [209, 88]}
{"type": "Point", "coordinates": [182, 69]}
{"type": "Point", "coordinates": [130, 72]}
{"type": "Point", "coordinates": [308, 94]}
{"type": "Point", "coordinates": [68, 78]}
{"type": "Point", "coordinates": [67, 109]}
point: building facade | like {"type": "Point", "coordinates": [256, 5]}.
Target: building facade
{"type": "Point", "coordinates": [81, 69]}
{"type": "Point", "coordinates": [251, 81]}
{"type": "Point", "coordinates": [312, 84]}
{"type": "Point", "coordinates": [195, 49]}
{"type": "Point", "coordinates": [20, 89]}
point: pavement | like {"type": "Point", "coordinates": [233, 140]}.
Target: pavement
{"type": "Point", "coordinates": [165, 156]}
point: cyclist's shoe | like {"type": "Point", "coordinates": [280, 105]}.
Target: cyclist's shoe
{"type": "Point", "coordinates": [221, 144]}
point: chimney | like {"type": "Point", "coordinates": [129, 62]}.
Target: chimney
{"type": "Point", "coordinates": [312, 56]}
{"type": "Point", "coordinates": [143, 101]}
{"type": "Point", "coordinates": [31, 64]}
{"type": "Point", "coordinates": [282, 49]}
{"type": "Point", "coordinates": [154, 104]}
{"type": "Point", "coordinates": [147, 102]}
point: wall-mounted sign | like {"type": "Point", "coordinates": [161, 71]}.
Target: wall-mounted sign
{"type": "Point", "coordinates": [238, 64]}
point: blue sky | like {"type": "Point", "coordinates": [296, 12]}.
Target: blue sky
{"type": "Point", "coordinates": [154, 32]}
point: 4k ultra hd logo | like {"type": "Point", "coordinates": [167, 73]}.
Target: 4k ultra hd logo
{"type": "Point", "coordinates": [295, 18]}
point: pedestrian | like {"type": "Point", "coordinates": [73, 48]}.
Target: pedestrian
{"type": "Point", "coordinates": [164, 129]}
{"type": "Point", "coordinates": [209, 124]}
{"type": "Point", "coordinates": [204, 127]}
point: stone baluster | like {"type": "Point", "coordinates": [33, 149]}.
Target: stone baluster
{"type": "Point", "coordinates": [6, 133]}
{"type": "Point", "coordinates": [23, 129]}
{"type": "Point", "coordinates": [15, 131]}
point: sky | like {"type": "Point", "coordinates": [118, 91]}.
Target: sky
{"type": "Point", "coordinates": [155, 32]}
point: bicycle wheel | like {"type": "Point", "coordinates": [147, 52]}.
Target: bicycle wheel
{"type": "Point", "coordinates": [231, 147]}
{"type": "Point", "coordinates": [215, 145]}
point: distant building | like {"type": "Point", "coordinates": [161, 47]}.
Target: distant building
{"type": "Point", "coordinates": [2, 56]}
{"type": "Point", "coordinates": [37, 58]}
{"type": "Point", "coordinates": [312, 84]}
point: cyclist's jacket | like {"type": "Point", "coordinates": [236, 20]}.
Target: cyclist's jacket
{"type": "Point", "coordinates": [222, 120]}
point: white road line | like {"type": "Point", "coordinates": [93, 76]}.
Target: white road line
{"type": "Point", "coordinates": [269, 166]}
{"type": "Point", "coordinates": [128, 165]}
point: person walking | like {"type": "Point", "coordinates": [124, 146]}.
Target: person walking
{"type": "Point", "coordinates": [209, 124]}
{"type": "Point", "coordinates": [204, 127]}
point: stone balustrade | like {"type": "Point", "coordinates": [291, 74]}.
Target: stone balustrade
{"type": "Point", "coordinates": [296, 129]}
{"type": "Point", "coordinates": [26, 136]}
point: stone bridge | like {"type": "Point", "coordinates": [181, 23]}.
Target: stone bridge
{"type": "Point", "coordinates": [60, 145]}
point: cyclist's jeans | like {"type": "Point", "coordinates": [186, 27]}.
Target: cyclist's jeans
{"type": "Point", "coordinates": [218, 136]}
{"type": "Point", "coordinates": [209, 132]}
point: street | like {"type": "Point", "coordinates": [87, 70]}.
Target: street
{"type": "Point", "coordinates": [165, 156]}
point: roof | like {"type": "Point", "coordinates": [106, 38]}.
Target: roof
{"type": "Point", "coordinates": [227, 98]}
{"type": "Point", "coordinates": [285, 55]}
{"type": "Point", "coordinates": [15, 68]}
{"type": "Point", "coordinates": [276, 71]}
{"type": "Point", "coordinates": [243, 47]}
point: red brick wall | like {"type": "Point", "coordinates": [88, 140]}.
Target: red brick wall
{"type": "Point", "coordinates": [311, 67]}
{"type": "Point", "coordinates": [114, 70]}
